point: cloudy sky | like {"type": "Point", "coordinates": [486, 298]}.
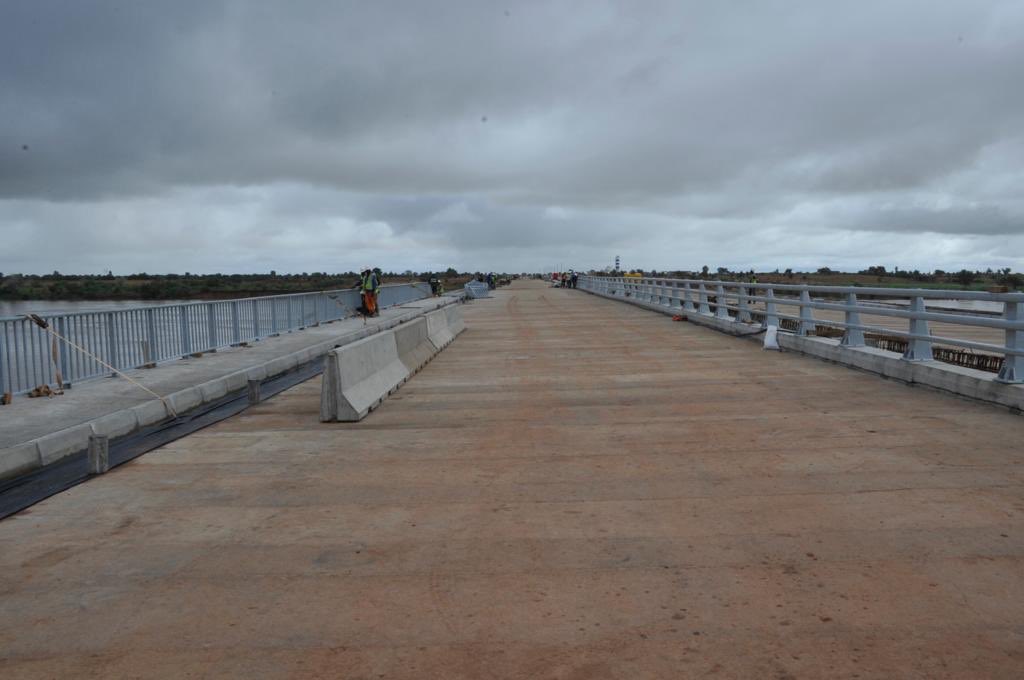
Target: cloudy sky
{"type": "Point", "coordinates": [236, 136]}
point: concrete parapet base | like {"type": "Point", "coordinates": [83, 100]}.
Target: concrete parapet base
{"type": "Point", "coordinates": [967, 383]}
{"type": "Point", "coordinates": [42, 447]}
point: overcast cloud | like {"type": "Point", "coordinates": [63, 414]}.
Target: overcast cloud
{"type": "Point", "coordinates": [236, 136]}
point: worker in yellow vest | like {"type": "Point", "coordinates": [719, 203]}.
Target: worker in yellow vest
{"type": "Point", "coordinates": [369, 286]}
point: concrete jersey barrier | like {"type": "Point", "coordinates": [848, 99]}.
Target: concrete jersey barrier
{"type": "Point", "coordinates": [359, 376]}
{"type": "Point", "coordinates": [437, 329]}
{"type": "Point", "coordinates": [444, 325]}
{"type": "Point", "coordinates": [414, 347]}
{"type": "Point", "coordinates": [455, 323]}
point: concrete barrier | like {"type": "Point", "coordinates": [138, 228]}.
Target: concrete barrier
{"type": "Point", "coordinates": [414, 347]}
{"type": "Point", "coordinates": [357, 377]}
{"type": "Point", "coordinates": [437, 329]}
{"type": "Point", "coordinates": [455, 323]}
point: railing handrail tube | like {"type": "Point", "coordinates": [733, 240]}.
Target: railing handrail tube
{"type": "Point", "coordinates": [141, 336]}
{"type": "Point", "coordinates": [932, 293]}
{"type": "Point", "coordinates": [193, 303]}
{"type": "Point", "coordinates": [736, 296]}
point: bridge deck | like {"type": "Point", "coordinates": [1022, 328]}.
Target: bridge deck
{"type": "Point", "coordinates": [576, 488]}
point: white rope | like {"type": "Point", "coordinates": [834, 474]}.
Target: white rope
{"type": "Point", "coordinates": [46, 327]}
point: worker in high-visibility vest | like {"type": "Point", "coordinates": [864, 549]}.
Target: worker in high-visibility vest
{"type": "Point", "coordinates": [369, 285]}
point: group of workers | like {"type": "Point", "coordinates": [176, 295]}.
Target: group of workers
{"type": "Point", "coordinates": [371, 278]}
{"type": "Point", "coordinates": [567, 279]}
{"type": "Point", "coordinates": [370, 281]}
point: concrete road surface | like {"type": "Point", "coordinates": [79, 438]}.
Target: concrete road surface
{"type": "Point", "coordinates": [576, 488]}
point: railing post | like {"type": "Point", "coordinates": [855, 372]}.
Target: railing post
{"type": "Point", "coordinates": [150, 349]}
{"type": "Point", "coordinates": [743, 305]}
{"type": "Point", "coordinates": [111, 344]}
{"type": "Point", "coordinates": [273, 316]}
{"type": "Point", "coordinates": [186, 336]}
{"type": "Point", "coordinates": [255, 320]}
{"type": "Point", "coordinates": [807, 325]}
{"type": "Point", "coordinates": [702, 294]}
{"type": "Point", "coordinates": [65, 367]}
{"type": "Point", "coordinates": [4, 387]}
{"type": "Point", "coordinates": [852, 337]}
{"type": "Point", "coordinates": [291, 324]}
{"type": "Point", "coordinates": [211, 326]}
{"type": "Point", "coordinates": [721, 311]}
{"type": "Point", "coordinates": [771, 313]}
{"type": "Point", "coordinates": [918, 350]}
{"type": "Point", "coordinates": [316, 308]}
{"type": "Point", "coordinates": [1012, 370]}
{"type": "Point", "coordinates": [673, 300]}
{"type": "Point", "coordinates": [687, 297]}
{"type": "Point", "coordinates": [236, 322]}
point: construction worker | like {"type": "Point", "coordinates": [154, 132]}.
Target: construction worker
{"type": "Point", "coordinates": [436, 287]}
{"type": "Point", "coordinates": [369, 286]}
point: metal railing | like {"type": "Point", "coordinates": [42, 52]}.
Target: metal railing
{"type": "Point", "coordinates": [735, 301]}
{"type": "Point", "coordinates": [143, 336]}
{"type": "Point", "coordinates": [477, 289]}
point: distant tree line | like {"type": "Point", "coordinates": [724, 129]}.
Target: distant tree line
{"type": "Point", "coordinates": [143, 286]}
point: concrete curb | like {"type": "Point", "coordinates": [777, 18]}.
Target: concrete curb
{"type": "Point", "coordinates": [967, 383]}
{"type": "Point", "coordinates": [28, 456]}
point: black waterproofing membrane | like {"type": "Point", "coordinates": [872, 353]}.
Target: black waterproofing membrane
{"type": "Point", "coordinates": [21, 492]}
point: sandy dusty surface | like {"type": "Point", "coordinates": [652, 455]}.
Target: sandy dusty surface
{"type": "Point", "coordinates": [576, 488]}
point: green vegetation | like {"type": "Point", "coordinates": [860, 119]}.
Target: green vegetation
{"type": "Point", "coordinates": [57, 286]}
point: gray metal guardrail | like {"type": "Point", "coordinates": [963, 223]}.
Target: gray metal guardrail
{"type": "Point", "coordinates": [141, 336]}
{"type": "Point", "coordinates": [736, 300]}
